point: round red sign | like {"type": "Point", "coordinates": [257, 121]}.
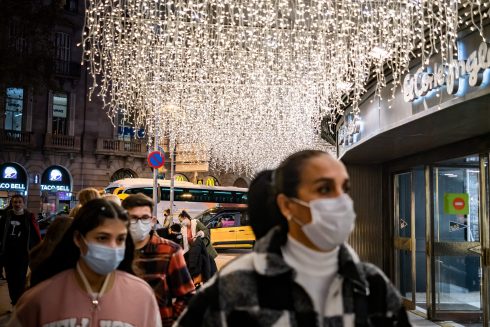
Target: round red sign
{"type": "Point", "coordinates": [458, 203]}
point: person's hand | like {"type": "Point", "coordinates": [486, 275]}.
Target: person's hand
{"type": "Point", "coordinates": [199, 234]}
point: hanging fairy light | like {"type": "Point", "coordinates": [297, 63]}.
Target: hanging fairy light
{"type": "Point", "coordinates": [253, 79]}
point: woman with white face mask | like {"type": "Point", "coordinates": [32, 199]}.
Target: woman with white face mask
{"type": "Point", "coordinates": [301, 272]}
{"type": "Point", "coordinates": [88, 281]}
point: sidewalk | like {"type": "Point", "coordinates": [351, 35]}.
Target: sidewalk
{"type": "Point", "coordinates": [416, 320]}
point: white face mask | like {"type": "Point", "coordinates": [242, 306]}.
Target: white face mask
{"type": "Point", "coordinates": [332, 221]}
{"type": "Point", "coordinates": [139, 230]}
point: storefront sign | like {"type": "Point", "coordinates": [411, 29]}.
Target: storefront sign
{"type": "Point", "coordinates": [62, 188]}
{"type": "Point", "coordinates": [12, 177]}
{"type": "Point", "coordinates": [12, 186]}
{"type": "Point", "coordinates": [422, 82]}
{"type": "Point", "coordinates": [56, 179]}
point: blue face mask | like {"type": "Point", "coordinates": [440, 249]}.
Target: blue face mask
{"type": "Point", "coordinates": [103, 259]}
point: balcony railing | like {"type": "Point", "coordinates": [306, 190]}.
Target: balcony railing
{"type": "Point", "coordinates": [62, 142]}
{"type": "Point", "coordinates": [16, 138]}
{"type": "Point", "coordinates": [122, 148]}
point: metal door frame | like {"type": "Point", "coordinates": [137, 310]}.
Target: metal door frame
{"type": "Point", "coordinates": [483, 218]}
{"type": "Point", "coordinates": [405, 243]}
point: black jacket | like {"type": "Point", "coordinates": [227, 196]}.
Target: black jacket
{"type": "Point", "coordinates": [198, 260]}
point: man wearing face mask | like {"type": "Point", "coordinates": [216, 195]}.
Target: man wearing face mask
{"type": "Point", "coordinates": [19, 233]}
{"type": "Point", "coordinates": [157, 260]}
{"type": "Point", "coordinates": [302, 272]}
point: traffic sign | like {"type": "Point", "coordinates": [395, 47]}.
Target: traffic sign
{"type": "Point", "coordinates": [156, 159]}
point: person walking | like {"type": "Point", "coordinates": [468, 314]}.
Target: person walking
{"type": "Point", "coordinates": [159, 261]}
{"type": "Point", "coordinates": [19, 233]}
{"type": "Point", "coordinates": [301, 272]}
{"type": "Point", "coordinates": [88, 280]}
{"type": "Point", "coordinates": [192, 229]}
{"type": "Point", "coordinates": [85, 195]}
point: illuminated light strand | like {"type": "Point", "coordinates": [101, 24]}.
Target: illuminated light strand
{"type": "Point", "coordinates": [246, 82]}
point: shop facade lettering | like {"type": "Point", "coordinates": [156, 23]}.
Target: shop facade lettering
{"type": "Point", "coordinates": [56, 188]}
{"type": "Point", "coordinates": [12, 186]}
{"type": "Point", "coordinates": [422, 82]}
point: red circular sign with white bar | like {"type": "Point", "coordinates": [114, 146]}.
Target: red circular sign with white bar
{"type": "Point", "coordinates": [459, 203]}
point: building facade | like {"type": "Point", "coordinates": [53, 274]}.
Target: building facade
{"type": "Point", "coordinates": [54, 141]}
{"type": "Point", "coordinates": [419, 165]}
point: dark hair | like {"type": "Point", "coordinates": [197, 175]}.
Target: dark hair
{"type": "Point", "coordinates": [287, 176]}
{"type": "Point", "coordinates": [262, 210]}
{"type": "Point", "coordinates": [262, 206]}
{"type": "Point", "coordinates": [17, 195]}
{"type": "Point", "coordinates": [176, 228]}
{"type": "Point", "coordinates": [137, 200]}
{"type": "Point", "coordinates": [66, 254]}
{"type": "Point", "coordinates": [53, 236]}
{"type": "Point", "coordinates": [184, 214]}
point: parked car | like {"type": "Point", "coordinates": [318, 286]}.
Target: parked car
{"type": "Point", "coordinates": [229, 227]}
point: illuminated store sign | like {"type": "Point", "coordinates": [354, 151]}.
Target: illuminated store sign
{"type": "Point", "coordinates": [56, 188]}
{"type": "Point", "coordinates": [12, 177]}
{"type": "Point", "coordinates": [10, 173]}
{"type": "Point", "coordinates": [56, 179]}
{"type": "Point", "coordinates": [422, 82]}
{"type": "Point", "coordinates": [12, 186]}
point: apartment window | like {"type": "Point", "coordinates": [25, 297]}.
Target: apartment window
{"type": "Point", "coordinates": [60, 113]}
{"type": "Point", "coordinates": [14, 108]}
{"type": "Point", "coordinates": [17, 37]}
{"type": "Point", "coordinates": [62, 52]}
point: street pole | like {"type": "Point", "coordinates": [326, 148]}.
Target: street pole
{"type": "Point", "coordinates": [172, 178]}
{"type": "Point", "coordinates": [155, 175]}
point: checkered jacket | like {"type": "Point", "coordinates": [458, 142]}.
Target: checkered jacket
{"type": "Point", "coordinates": [258, 289]}
{"type": "Point", "coordinates": [161, 264]}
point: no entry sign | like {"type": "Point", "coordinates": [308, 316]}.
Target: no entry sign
{"type": "Point", "coordinates": [456, 203]}
{"type": "Point", "coordinates": [156, 159]}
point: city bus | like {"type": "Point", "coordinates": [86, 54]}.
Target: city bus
{"type": "Point", "coordinates": [193, 198]}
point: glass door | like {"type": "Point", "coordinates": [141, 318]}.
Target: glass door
{"type": "Point", "coordinates": [456, 262]}
{"type": "Point", "coordinates": [404, 241]}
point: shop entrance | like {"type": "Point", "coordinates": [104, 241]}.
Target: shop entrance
{"type": "Point", "coordinates": [410, 237]}
{"type": "Point", "coordinates": [441, 231]}
{"type": "Point", "coordinates": [456, 222]}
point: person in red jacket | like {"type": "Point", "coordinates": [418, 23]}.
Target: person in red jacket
{"type": "Point", "coordinates": [19, 233]}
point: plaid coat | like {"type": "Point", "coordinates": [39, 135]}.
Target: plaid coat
{"type": "Point", "coordinates": [161, 264]}
{"type": "Point", "coordinates": [258, 289]}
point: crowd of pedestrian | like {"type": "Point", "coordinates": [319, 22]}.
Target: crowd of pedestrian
{"type": "Point", "coordinates": [111, 263]}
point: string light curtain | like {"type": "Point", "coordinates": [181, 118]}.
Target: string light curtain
{"type": "Point", "coordinates": [249, 81]}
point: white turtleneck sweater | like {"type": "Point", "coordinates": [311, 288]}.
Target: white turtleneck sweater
{"type": "Point", "coordinates": [315, 270]}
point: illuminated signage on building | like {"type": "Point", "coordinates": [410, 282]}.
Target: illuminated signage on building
{"type": "Point", "coordinates": [56, 188]}
{"type": "Point", "coordinates": [56, 179]}
{"type": "Point", "coordinates": [449, 75]}
{"type": "Point", "coordinates": [12, 186]}
{"type": "Point", "coordinates": [55, 175]}
{"type": "Point", "coordinates": [12, 177]}
{"type": "Point", "coordinates": [10, 173]}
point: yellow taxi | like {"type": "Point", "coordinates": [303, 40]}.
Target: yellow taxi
{"type": "Point", "coordinates": [229, 227]}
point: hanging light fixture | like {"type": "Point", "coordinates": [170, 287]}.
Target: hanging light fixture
{"type": "Point", "coordinates": [251, 80]}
